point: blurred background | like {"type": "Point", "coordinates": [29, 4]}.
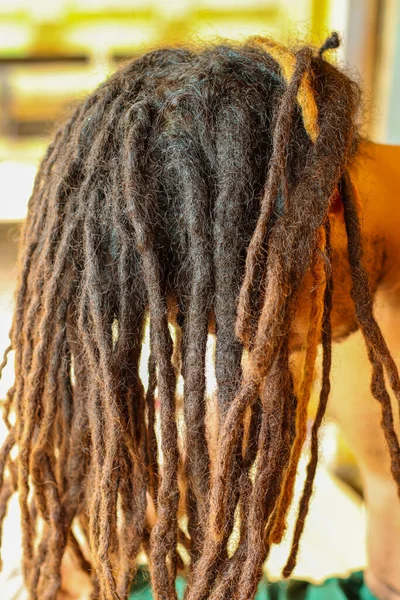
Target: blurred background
{"type": "Point", "coordinates": [53, 52]}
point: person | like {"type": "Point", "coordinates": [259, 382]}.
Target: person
{"type": "Point", "coordinates": [217, 192]}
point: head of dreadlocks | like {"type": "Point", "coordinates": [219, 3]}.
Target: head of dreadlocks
{"type": "Point", "coordinates": [194, 192]}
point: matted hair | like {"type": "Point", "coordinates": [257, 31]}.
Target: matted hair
{"type": "Point", "coordinates": [193, 183]}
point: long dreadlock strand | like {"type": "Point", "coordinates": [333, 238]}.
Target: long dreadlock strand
{"type": "Point", "coordinates": [272, 462]}
{"type": "Point", "coordinates": [313, 339]}
{"type": "Point", "coordinates": [276, 174]}
{"type": "Point", "coordinates": [139, 204]}
{"type": "Point", "coordinates": [323, 400]}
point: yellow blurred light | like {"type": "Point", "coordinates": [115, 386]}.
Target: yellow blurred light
{"type": "Point", "coordinates": [173, 8]}
{"type": "Point", "coordinates": [232, 5]}
{"type": "Point", "coordinates": [7, 7]}
{"type": "Point", "coordinates": [235, 30]}
{"type": "Point", "coordinates": [66, 82]}
{"type": "Point", "coordinates": [16, 182]}
{"type": "Point", "coordinates": [14, 36]}
{"type": "Point", "coordinates": [109, 5]}
{"type": "Point", "coordinates": [111, 34]}
{"type": "Point", "coordinates": [46, 10]}
{"type": "Point", "coordinates": [22, 150]}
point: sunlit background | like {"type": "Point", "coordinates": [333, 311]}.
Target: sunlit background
{"type": "Point", "coordinates": [53, 52]}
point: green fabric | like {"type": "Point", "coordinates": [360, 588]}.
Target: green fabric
{"type": "Point", "coordinates": [352, 588]}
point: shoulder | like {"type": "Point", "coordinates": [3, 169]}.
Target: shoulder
{"type": "Point", "coordinates": [376, 173]}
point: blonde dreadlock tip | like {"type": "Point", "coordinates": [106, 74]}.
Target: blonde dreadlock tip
{"type": "Point", "coordinates": [305, 97]}
{"type": "Point", "coordinates": [276, 535]}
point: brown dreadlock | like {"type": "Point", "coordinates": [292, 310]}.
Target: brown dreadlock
{"type": "Point", "coordinates": [193, 184]}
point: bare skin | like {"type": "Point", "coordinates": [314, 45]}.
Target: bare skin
{"type": "Point", "coordinates": [377, 176]}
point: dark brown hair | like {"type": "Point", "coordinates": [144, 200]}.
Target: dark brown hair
{"type": "Point", "coordinates": [193, 188]}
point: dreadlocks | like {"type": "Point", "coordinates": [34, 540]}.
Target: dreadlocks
{"type": "Point", "coordinates": [190, 192]}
